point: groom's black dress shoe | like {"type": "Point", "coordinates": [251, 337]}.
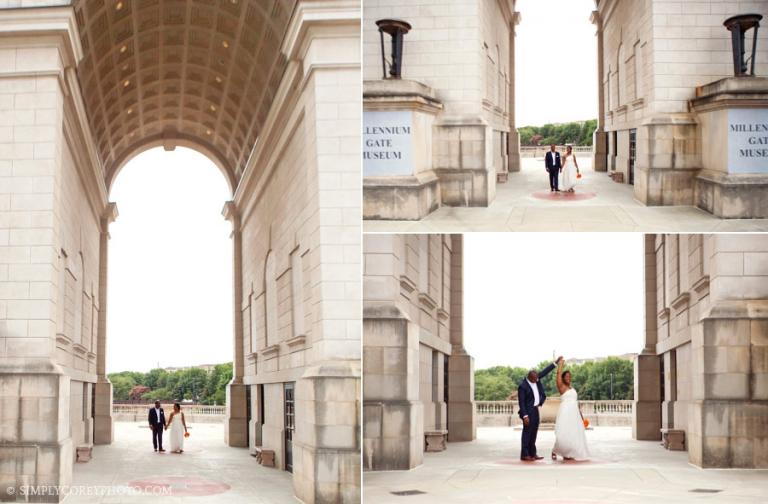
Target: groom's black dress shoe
{"type": "Point", "coordinates": [161, 450]}
{"type": "Point", "coordinates": [537, 458]}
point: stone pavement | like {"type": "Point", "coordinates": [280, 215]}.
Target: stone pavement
{"type": "Point", "coordinates": [207, 472]}
{"type": "Point", "coordinates": [518, 207]}
{"type": "Point", "coordinates": [621, 470]}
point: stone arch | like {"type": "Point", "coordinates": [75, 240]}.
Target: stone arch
{"type": "Point", "coordinates": [192, 71]}
{"type": "Point", "coordinates": [205, 149]}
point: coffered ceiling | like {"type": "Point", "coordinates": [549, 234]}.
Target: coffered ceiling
{"type": "Point", "coordinates": [200, 71]}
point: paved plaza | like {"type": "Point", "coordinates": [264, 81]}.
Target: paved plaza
{"type": "Point", "coordinates": [519, 207]}
{"type": "Point", "coordinates": [621, 470]}
{"type": "Point", "coordinates": [129, 471]}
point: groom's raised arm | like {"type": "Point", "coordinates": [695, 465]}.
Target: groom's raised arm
{"type": "Point", "coordinates": [544, 372]}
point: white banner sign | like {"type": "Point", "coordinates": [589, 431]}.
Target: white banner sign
{"type": "Point", "coordinates": [748, 141]}
{"type": "Point", "coordinates": [387, 142]}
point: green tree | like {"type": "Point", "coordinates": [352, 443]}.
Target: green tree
{"type": "Point", "coordinates": [612, 378]}
{"type": "Point", "coordinates": [577, 133]}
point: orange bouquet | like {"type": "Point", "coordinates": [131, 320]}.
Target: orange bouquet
{"type": "Point", "coordinates": [586, 423]}
{"type": "Point", "coordinates": [578, 175]}
{"type": "Point", "coordinates": [186, 434]}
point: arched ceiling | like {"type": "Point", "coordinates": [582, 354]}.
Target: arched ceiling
{"type": "Point", "coordinates": [201, 71]}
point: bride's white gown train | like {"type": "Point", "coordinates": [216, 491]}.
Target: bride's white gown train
{"type": "Point", "coordinates": [568, 178]}
{"type": "Point", "coordinates": [177, 433]}
{"type": "Point", "coordinates": [570, 437]}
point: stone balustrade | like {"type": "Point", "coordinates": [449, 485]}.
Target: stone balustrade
{"type": "Point", "coordinates": [539, 151]}
{"type": "Point", "coordinates": [193, 413]}
{"type": "Point", "coordinates": [605, 413]}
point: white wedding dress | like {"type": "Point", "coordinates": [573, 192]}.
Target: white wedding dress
{"type": "Point", "coordinates": [177, 433]}
{"type": "Point", "coordinates": [570, 437]}
{"type": "Point", "coordinates": [568, 178]}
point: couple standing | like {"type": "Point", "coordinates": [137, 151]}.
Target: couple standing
{"type": "Point", "coordinates": [568, 168]}
{"type": "Point", "coordinates": [570, 437]}
{"type": "Point", "coordinates": [177, 423]}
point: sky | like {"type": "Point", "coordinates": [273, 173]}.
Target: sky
{"type": "Point", "coordinates": [529, 295]}
{"type": "Point", "coordinates": [170, 264]}
{"type": "Point", "coordinates": [555, 62]}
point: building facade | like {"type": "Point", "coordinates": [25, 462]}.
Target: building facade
{"type": "Point", "coordinates": [673, 121]}
{"type": "Point", "coordinates": [661, 112]}
{"type": "Point", "coordinates": [703, 373]}
{"type": "Point", "coordinates": [419, 379]}
{"type": "Point", "coordinates": [84, 87]}
{"type": "Point", "coordinates": [458, 83]}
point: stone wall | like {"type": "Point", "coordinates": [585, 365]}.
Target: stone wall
{"type": "Point", "coordinates": [296, 252]}
{"type": "Point", "coordinates": [411, 285]}
{"type": "Point", "coordinates": [707, 304]}
{"type": "Point", "coordinates": [655, 54]}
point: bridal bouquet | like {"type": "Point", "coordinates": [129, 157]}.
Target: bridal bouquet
{"type": "Point", "coordinates": [586, 423]}
{"type": "Point", "coordinates": [186, 434]}
{"type": "Point", "coordinates": [578, 175]}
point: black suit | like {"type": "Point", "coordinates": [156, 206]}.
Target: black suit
{"type": "Point", "coordinates": [553, 167]}
{"type": "Point", "coordinates": [528, 408]}
{"type": "Point", "coordinates": [157, 425]}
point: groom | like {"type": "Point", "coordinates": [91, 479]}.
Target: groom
{"type": "Point", "coordinates": [530, 395]}
{"type": "Point", "coordinates": [157, 424]}
{"type": "Point", "coordinates": [552, 162]}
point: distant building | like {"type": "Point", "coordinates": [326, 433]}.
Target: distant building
{"type": "Point", "coordinates": [577, 362]}
{"type": "Point", "coordinates": [206, 367]}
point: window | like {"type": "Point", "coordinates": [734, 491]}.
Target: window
{"type": "Point", "coordinates": [270, 296]}
{"type": "Point", "coordinates": [639, 88]}
{"type": "Point", "coordinates": [297, 301]}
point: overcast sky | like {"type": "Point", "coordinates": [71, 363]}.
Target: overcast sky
{"type": "Point", "coordinates": [555, 62]}
{"type": "Point", "coordinates": [170, 264]}
{"type": "Point", "coordinates": [527, 295]}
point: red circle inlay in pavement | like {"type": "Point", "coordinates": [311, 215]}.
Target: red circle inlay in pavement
{"type": "Point", "coordinates": [564, 196]}
{"type": "Point", "coordinates": [181, 486]}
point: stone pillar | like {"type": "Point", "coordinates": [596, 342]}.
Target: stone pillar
{"type": "Point", "coordinates": [236, 424]}
{"type": "Point", "coordinates": [667, 160]}
{"type": "Point", "coordinates": [324, 42]}
{"type": "Point", "coordinates": [406, 189]}
{"type": "Point", "coordinates": [600, 137]}
{"type": "Point", "coordinates": [513, 151]}
{"type": "Point", "coordinates": [393, 415]}
{"type": "Point", "coordinates": [103, 424]}
{"type": "Point", "coordinates": [732, 184]}
{"type": "Point", "coordinates": [646, 419]}
{"type": "Point", "coordinates": [462, 425]}
{"type": "Point", "coordinates": [35, 434]}
{"type": "Point", "coordinates": [728, 421]}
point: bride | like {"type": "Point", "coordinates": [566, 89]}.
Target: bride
{"type": "Point", "coordinates": [178, 429]}
{"type": "Point", "coordinates": [570, 171]}
{"type": "Point", "coordinates": [570, 439]}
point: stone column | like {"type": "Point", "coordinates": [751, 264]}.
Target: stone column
{"type": "Point", "coordinates": [236, 427]}
{"type": "Point", "coordinates": [462, 425]}
{"type": "Point", "coordinates": [103, 427]}
{"type": "Point", "coordinates": [646, 419]}
{"type": "Point", "coordinates": [323, 40]}
{"type": "Point", "coordinates": [35, 431]}
{"type": "Point", "coordinates": [513, 152]}
{"type": "Point", "coordinates": [393, 415]}
{"type": "Point", "coordinates": [600, 137]}
{"type": "Point", "coordinates": [728, 420]}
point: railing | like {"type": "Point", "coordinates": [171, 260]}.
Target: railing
{"type": "Point", "coordinates": [623, 407]}
{"type": "Point", "coordinates": [538, 152]}
{"type": "Point", "coordinates": [606, 407]}
{"type": "Point", "coordinates": [495, 407]}
{"type": "Point", "coordinates": [191, 409]}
